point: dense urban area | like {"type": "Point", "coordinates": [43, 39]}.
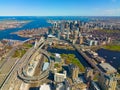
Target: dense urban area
{"type": "Point", "coordinates": [62, 56]}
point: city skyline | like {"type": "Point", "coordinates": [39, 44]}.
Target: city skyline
{"type": "Point", "coordinates": [59, 8]}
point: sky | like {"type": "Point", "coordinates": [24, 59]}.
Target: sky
{"type": "Point", "coordinates": [59, 7]}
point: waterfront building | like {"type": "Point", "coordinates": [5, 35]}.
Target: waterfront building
{"type": "Point", "coordinates": [107, 82]}
{"type": "Point", "coordinates": [107, 68]}
{"type": "Point", "coordinates": [88, 74]}
{"type": "Point", "coordinates": [57, 57]}
{"type": "Point", "coordinates": [75, 71]}
{"type": "Point", "coordinates": [60, 77]}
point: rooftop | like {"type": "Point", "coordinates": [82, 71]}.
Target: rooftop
{"type": "Point", "coordinates": [107, 68]}
{"type": "Point", "coordinates": [45, 87]}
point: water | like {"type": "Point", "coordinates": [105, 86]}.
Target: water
{"type": "Point", "coordinates": [112, 57]}
{"type": "Point", "coordinates": [63, 51]}
{"type": "Point", "coordinates": [35, 23]}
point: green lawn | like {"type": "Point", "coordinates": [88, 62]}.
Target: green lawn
{"type": "Point", "coordinates": [112, 47]}
{"type": "Point", "coordinates": [19, 53]}
{"type": "Point", "coordinates": [27, 45]}
{"type": "Point", "coordinates": [110, 31]}
{"type": "Point", "coordinates": [70, 58]}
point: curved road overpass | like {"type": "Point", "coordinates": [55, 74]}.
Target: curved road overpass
{"type": "Point", "coordinates": [32, 79]}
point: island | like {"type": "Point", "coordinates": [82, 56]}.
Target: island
{"type": "Point", "coordinates": [31, 32]}
{"type": "Point", "coordinates": [8, 24]}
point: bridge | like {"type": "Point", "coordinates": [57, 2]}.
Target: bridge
{"type": "Point", "coordinates": [27, 40]}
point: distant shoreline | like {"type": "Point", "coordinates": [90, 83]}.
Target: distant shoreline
{"type": "Point", "coordinates": [112, 48]}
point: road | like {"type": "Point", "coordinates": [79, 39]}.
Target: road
{"type": "Point", "coordinates": [89, 60]}
{"type": "Point", "coordinates": [22, 73]}
{"type": "Point", "coordinates": [7, 57]}
{"type": "Point", "coordinates": [12, 82]}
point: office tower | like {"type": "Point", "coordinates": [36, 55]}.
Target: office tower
{"type": "Point", "coordinates": [88, 74]}
{"type": "Point", "coordinates": [81, 40]}
{"type": "Point", "coordinates": [75, 34]}
{"type": "Point", "coordinates": [58, 34]}
{"type": "Point", "coordinates": [109, 40]}
{"type": "Point", "coordinates": [66, 25]}
{"type": "Point", "coordinates": [67, 34]}
{"type": "Point", "coordinates": [71, 26]}
{"type": "Point", "coordinates": [55, 24]}
{"type": "Point", "coordinates": [62, 27]}
{"type": "Point", "coordinates": [107, 82]}
{"type": "Point", "coordinates": [60, 77]}
{"type": "Point", "coordinates": [75, 71]}
{"type": "Point", "coordinates": [49, 30]}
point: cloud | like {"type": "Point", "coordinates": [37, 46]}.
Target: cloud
{"type": "Point", "coordinates": [112, 11]}
{"type": "Point", "coordinates": [107, 12]}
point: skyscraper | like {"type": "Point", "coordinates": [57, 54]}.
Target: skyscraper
{"type": "Point", "coordinates": [107, 82]}
{"type": "Point", "coordinates": [88, 74]}
{"type": "Point", "coordinates": [81, 40]}
{"type": "Point", "coordinates": [75, 71]}
{"type": "Point", "coordinates": [67, 34]}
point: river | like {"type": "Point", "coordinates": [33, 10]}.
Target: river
{"type": "Point", "coordinates": [63, 51]}
{"type": "Point", "coordinates": [112, 57]}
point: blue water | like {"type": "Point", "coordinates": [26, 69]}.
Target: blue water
{"type": "Point", "coordinates": [37, 22]}
{"type": "Point", "coordinates": [63, 51]}
{"type": "Point", "coordinates": [112, 57]}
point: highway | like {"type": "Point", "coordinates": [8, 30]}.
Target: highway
{"type": "Point", "coordinates": [10, 72]}
{"type": "Point", "coordinates": [23, 75]}
{"type": "Point", "coordinates": [8, 56]}
{"type": "Point", "coordinates": [20, 63]}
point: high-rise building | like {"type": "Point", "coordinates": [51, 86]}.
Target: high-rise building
{"type": "Point", "coordinates": [81, 40]}
{"type": "Point", "coordinates": [71, 26]}
{"type": "Point", "coordinates": [60, 77]}
{"type": "Point", "coordinates": [107, 82]}
{"type": "Point", "coordinates": [62, 26]}
{"type": "Point", "coordinates": [75, 71]}
{"type": "Point", "coordinates": [67, 34]}
{"type": "Point", "coordinates": [58, 33]}
{"type": "Point", "coordinates": [88, 74]}
{"type": "Point", "coordinates": [49, 30]}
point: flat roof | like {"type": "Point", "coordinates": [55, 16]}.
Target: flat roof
{"type": "Point", "coordinates": [57, 55]}
{"type": "Point", "coordinates": [45, 66]}
{"type": "Point", "coordinates": [45, 87]}
{"type": "Point", "coordinates": [107, 67]}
